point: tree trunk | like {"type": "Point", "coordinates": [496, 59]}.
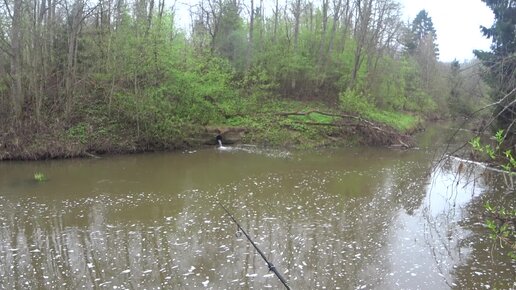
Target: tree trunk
{"type": "Point", "coordinates": [276, 20]}
{"type": "Point", "coordinates": [296, 11]}
{"type": "Point", "coordinates": [119, 11]}
{"type": "Point", "coordinates": [361, 30]}
{"type": "Point", "coordinates": [17, 96]}
{"type": "Point", "coordinates": [322, 43]}
{"type": "Point", "coordinates": [251, 39]}
{"type": "Point", "coordinates": [149, 17]}
{"type": "Point", "coordinates": [336, 16]}
{"type": "Point", "coordinates": [70, 75]}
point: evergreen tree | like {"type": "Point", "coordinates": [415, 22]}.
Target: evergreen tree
{"type": "Point", "coordinates": [500, 62]}
{"type": "Point", "coordinates": [422, 33]}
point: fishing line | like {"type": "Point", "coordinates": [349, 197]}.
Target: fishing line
{"type": "Point", "coordinates": [269, 264]}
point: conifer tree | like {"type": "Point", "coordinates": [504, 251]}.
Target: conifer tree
{"type": "Point", "coordinates": [500, 62]}
{"type": "Point", "coordinates": [422, 33]}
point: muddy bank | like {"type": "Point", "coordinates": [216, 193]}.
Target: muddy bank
{"type": "Point", "coordinates": [39, 143]}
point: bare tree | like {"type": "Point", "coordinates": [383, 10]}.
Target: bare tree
{"type": "Point", "coordinates": [296, 9]}
{"type": "Point", "coordinates": [337, 11]}
{"type": "Point", "coordinates": [322, 43]}
{"type": "Point", "coordinates": [251, 36]}
{"type": "Point", "coordinates": [276, 20]}
{"type": "Point", "coordinates": [363, 18]}
{"type": "Point", "coordinates": [17, 96]}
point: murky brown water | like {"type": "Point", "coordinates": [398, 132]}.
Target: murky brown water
{"type": "Point", "coordinates": [337, 219]}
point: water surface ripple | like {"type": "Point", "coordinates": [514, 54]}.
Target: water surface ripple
{"type": "Point", "coordinates": [335, 219]}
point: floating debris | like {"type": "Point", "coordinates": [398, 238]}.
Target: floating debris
{"type": "Point", "coordinates": [381, 223]}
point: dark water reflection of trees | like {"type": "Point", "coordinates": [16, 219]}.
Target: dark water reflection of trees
{"type": "Point", "coordinates": [386, 223]}
{"type": "Point", "coordinates": [486, 261]}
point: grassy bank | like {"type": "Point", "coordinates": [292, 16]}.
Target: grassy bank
{"type": "Point", "coordinates": [312, 124]}
{"type": "Point", "coordinates": [278, 123]}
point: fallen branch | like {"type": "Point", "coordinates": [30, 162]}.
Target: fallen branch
{"type": "Point", "coordinates": [322, 124]}
{"type": "Point", "coordinates": [91, 155]}
{"type": "Point", "coordinates": [320, 113]}
{"type": "Point", "coordinates": [344, 116]}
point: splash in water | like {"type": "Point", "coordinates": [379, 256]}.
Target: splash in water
{"type": "Point", "coordinates": [224, 148]}
{"type": "Point", "coordinates": [221, 146]}
{"type": "Point", "coordinates": [219, 140]}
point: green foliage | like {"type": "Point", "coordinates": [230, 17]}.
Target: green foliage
{"type": "Point", "coordinates": [490, 152]}
{"type": "Point", "coordinates": [390, 91]}
{"type": "Point", "coordinates": [499, 137]}
{"type": "Point", "coordinates": [422, 27]}
{"type": "Point", "coordinates": [502, 222]}
{"type": "Point", "coordinates": [511, 162]}
{"type": "Point", "coordinates": [267, 127]}
{"type": "Point", "coordinates": [400, 121]}
{"type": "Point", "coordinates": [458, 100]}
{"type": "Point", "coordinates": [494, 151]}
{"type": "Point", "coordinates": [240, 121]}
{"type": "Point", "coordinates": [501, 227]}
{"type": "Point", "coordinates": [257, 83]}
{"type": "Point", "coordinates": [314, 117]}
{"type": "Point", "coordinates": [403, 88]}
{"type": "Point", "coordinates": [140, 77]}
{"type": "Point", "coordinates": [230, 39]}
{"type": "Point", "coordinates": [78, 132]}
{"type": "Point", "coordinates": [500, 62]}
{"type": "Point", "coordinates": [475, 143]}
{"type": "Point", "coordinates": [193, 92]}
{"type": "Point", "coordinates": [351, 101]}
{"type": "Point", "coordinates": [502, 31]}
{"type": "Point", "coordinates": [39, 177]}
{"type": "Point", "coordinates": [420, 102]}
{"type": "Point", "coordinates": [355, 103]}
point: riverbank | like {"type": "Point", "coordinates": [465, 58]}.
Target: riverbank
{"type": "Point", "coordinates": [280, 124]}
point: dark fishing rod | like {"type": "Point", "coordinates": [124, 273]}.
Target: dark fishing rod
{"type": "Point", "coordinates": [269, 264]}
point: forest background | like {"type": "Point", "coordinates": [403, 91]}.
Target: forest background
{"type": "Point", "coordinates": [80, 77]}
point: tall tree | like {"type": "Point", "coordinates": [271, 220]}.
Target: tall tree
{"type": "Point", "coordinates": [422, 33]}
{"type": "Point", "coordinates": [421, 44]}
{"type": "Point", "coordinates": [455, 82]}
{"type": "Point", "coordinates": [251, 34]}
{"type": "Point", "coordinates": [17, 96]}
{"type": "Point", "coordinates": [501, 62]}
{"type": "Point", "coordinates": [364, 17]}
{"type": "Point", "coordinates": [297, 9]}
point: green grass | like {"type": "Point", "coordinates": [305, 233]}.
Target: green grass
{"type": "Point", "coordinates": [78, 132]}
{"type": "Point", "coordinates": [398, 120]}
{"type": "Point", "coordinates": [39, 177]}
{"type": "Point", "coordinates": [352, 102]}
{"type": "Point", "coordinates": [314, 117]}
{"type": "Point", "coordinates": [268, 126]}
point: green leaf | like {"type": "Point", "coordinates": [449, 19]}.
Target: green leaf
{"type": "Point", "coordinates": [475, 143]}
{"type": "Point", "coordinates": [490, 151]}
{"type": "Point", "coordinates": [499, 136]}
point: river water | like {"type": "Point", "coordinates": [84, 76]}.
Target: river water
{"type": "Point", "coordinates": [352, 218]}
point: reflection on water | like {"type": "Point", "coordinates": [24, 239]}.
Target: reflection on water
{"type": "Point", "coordinates": [344, 219]}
